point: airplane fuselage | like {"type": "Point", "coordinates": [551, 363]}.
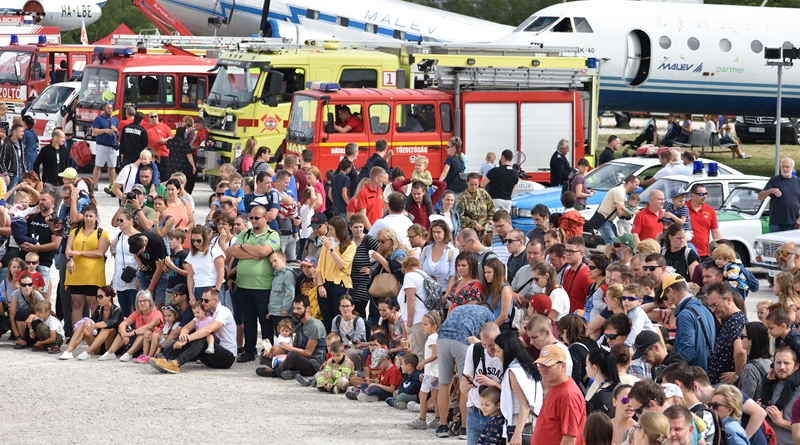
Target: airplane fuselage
{"type": "Point", "coordinates": [66, 14]}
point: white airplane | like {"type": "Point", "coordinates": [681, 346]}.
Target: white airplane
{"type": "Point", "coordinates": [675, 57]}
{"type": "Point", "coordinates": [301, 20]}
{"type": "Point", "coordinates": [66, 14]}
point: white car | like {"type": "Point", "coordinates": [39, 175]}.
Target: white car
{"type": "Point", "coordinates": [767, 244]}
{"type": "Point", "coordinates": [743, 217]}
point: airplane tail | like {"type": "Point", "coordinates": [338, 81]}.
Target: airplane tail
{"type": "Point", "coordinates": [84, 36]}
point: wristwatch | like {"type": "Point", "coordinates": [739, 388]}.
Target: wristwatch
{"type": "Point", "coordinates": [330, 250]}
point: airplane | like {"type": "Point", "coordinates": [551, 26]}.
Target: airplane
{"type": "Point", "coordinates": [675, 57]}
{"type": "Point", "coordinates": [300, 20]}
{"type": "Point", "coordinates": [66, 14]}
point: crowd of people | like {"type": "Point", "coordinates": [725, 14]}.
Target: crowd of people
{"type": "Point", "coordinates": [418, 292]}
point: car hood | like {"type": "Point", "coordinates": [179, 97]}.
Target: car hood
{"type": "Point", "coordinates": [551, 197]}
{"type": "Point", "coordinates": [731, 216]}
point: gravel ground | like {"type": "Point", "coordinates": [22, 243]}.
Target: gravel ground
{"type": "Point", "coordinates": [74, 402]}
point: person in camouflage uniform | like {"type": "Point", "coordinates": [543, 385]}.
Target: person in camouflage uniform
{"type": "Point", "coordinates": [475, 206]}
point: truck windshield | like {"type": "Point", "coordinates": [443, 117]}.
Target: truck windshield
{"type": "Point", "coordinates": [51, 100]}
{"type": "Point", "coordinates": [234, 87]}
{"type": "Point", "coordinates": [7, 60]}
{"type": "Point", "coordinates": [303, 119]}
{"type": "Point", "coordinates": [99, 86]}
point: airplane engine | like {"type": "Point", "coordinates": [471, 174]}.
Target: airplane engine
{"type": "Point", "coordinates": [65, 14]}
{"type": "Point", "coordinates": [298, 33]}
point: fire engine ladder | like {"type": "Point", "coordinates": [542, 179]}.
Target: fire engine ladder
{"type": "Point", "coordinates": [192, 42]}
{"type": "Point", "coordinates": [160, 17]}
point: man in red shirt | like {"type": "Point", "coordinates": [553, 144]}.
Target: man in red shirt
{"type": "Point", "coordinates": [350, 123]}
{"type": "Point", "coordinates": [200, 134]}
{"type": "Point", "coordinates": [703, 219]}
{"type": "Point", "coordinates": [417, 207]}
{"type": "Point", "coordinates": [158, 133]}
{"type": "Point", "coordinates": [563, 414]}
{"type": "Point", "coordinates": [645, 224]}
{"type": "Point", "coordinates": [369, 200]}
{"type": "Point", "coordinates": [576, 279]}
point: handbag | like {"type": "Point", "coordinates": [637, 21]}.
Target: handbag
{"type": "Point", "coordinates": [597, 220]}
{"type": "Point", "coordinates": [384, 285]}
{"type": "Point", "coordinates": [128, 272]}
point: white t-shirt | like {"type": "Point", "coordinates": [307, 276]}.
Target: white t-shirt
{"type": "Point", "coordinates": [127, 177]}
{"type": "Point", "coordinates": [398, 223]}
{"type": "Point", "coordinates": [413, 280]}
{"type": "Point", "coordinates": [122, 258]}
{"type": "Point", "coordinates": [305, 221]}
{"type": "Point", "coordinates": [569, 357]}
{"type": "Point", "coordinates": [669, 170]}
{"type": "Point", "coordinates": [205, 274]}
{"type": "Point", "coordinates": [432, 368]}
{"type": "Point", "coordinates": [560, 300]}
{"type": "Point", "coordinates": [227, 334]}
{"type": "Point", "coordinates": [53, 324]}
{"type": "Point", "coordinates": [494, 370]}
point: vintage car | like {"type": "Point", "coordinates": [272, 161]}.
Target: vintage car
{"type": "Point", "coordinates": [767, 244]}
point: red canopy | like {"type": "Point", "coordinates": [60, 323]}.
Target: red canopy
{"type": "Point", "coordinates": [121, 30]}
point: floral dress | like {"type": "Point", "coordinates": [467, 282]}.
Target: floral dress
{"type": "Point", "coordinates": [471, 292]}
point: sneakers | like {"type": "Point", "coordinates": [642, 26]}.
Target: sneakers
{"type": "Point", "coordinates": [19, 346]}
{"type": "Point", "coordinates": [169, 367]}
{"type": "Point", "coordinates": [442, 431]}
{"type": "Point", "coordinates": [302, 380]}
{"type": "Point", "coordinates": [53, 349]}
{"type": "Point", "coordinates": [210, 349]}
{"type": "Point", "coordinates": [127, 357]}
{"type": "Point", "coordinates": [246, 357]}
{"type": "Point", "coordinates": [400, 405]}
{"type": "Point", "coordinates": [746, 156]}
{"type": "Point", "coordinates": [67, 356]}
{"type": "Point", "coordinates": [82, 356]}
{"type": "Point", "coordinates": [107, 356]}
{"type": "Point", "coordinates": [413, 407]}
{"type": "Point", "coordinates": [390, 401]}
{"type": "Point", "coordinates": [143, 359]}
{"type": "Point", "coordinates": [161, 355]}
{"type": "Point", "coordinates": [96, 188]}
{"type": "Point", "coordinates": [352, 393]}
{"type": "Point", "coordinates": [366, 398]}
{"type": "Point", "coordinates": [462, 435]}
{"type": "Point", "coordinates": [265, 372]}
{"type": "Point", "coordinates": [109, 192]}
{"type": "Point", "coordinates": [289, 375]}
{"type": "Point", "coordinates": [418, 424]}
{"type": "Point", "coordinates": [433, 424]}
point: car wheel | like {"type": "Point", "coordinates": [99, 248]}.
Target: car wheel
{"type": "Point", "coordinates": [742, 253]}
{"type": "Point", "coordinates": [795, 135]}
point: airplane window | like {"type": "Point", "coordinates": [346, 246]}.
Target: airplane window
{"type": "Point", "coordinates": [725, 45]}
{"type": "Point", "coordinates": [563, 26]}
{"type": "Point", "coordinates": [370, 27]}
{"type": "Point", "coordinates": [693, 43]}
{"type": "Point", "coordinates": [756, 46]}
{"type": "Point", "coordinates": [664, 42]}
{"type": "Point", "coordinates": [540, 24]}
{"type": "Point", "coordinates": [343, 21]}
{"type": "Point", "coordinates": [787, 45]}
{"type": "Point", "coordinates": [582, 25]}
{"type": "Point", "coordinates": [312, 14]}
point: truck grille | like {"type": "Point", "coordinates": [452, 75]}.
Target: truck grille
{"type": "Point", "coordinates": [759, 120]}
{"type": "Point", "coordinates": [83, 130]}
{"type": "Point", "coordinates": [769, 249]}
{"type": "Point", "coordinates": [218, 123]}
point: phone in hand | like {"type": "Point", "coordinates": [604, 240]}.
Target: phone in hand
{"type": "Point", "coordinates": [469, 379]}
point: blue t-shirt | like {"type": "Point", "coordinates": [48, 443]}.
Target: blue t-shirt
{"type": "Point", "coordinates": [783, 210]}
{"type": "Point", "coordinates": [239, 194]}
{"type": "Point", "coordinates": [339, 182]}
{"type": "Point", "coordinates": [103, 123]}
{"type": "Point", "coordinates": [274, 202]}
{"type": "Point", "coordinates": [465, 321]}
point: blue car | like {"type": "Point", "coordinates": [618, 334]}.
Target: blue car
{"type": "Point", "coordinates": [601, 180]}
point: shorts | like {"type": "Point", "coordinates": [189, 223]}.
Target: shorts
{"type": "Point", "coordinates": [429, 383]}
{"type": "Point", "coordinates": [452, 353]}
{"type": "Point", "coordinates": [90, 291]}
{"type": "Point", "coordinates": [105, 155]}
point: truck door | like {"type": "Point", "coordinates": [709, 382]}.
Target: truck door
{"type": "Point", "coordinates": [332, 149]}
{"type": "Point", "coordinates": [379, 123]}
{"type": "Point", "coordinates": [416, 135]}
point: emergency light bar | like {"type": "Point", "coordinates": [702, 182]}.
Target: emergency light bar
{"type": "Point", "coordinates": [323, 86]}
{"type": "Point", "coordinates": [112, 51]}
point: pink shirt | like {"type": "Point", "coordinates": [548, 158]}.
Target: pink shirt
{"type": "Point", "coordinates": [319, 187]}
{"type": "Point", "coordinates": [139, 322]}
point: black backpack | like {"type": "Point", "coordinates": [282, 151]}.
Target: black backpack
{"type": "Point", "coordinates": [720, 437]}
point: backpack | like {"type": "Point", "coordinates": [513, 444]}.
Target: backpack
{"type": "Point", "coordinates": [367, 325]}
{"type": "Point", "coordinates": [485, 256]}
{"type": "Point", "coordinates": [752, 281]}
{"type": "Point", "coordinates": [720, 437]}
{"type": "Point", "coordinates": [237, 165]}
{"type": "Point", "coordinates": [434, 301]}
{"type": "Point", "coordinates": [364, 172]}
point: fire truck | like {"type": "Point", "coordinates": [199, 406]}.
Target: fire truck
{"type": "Point", "coordinates": [493, 104]}
{"type": "Point", "coordinates": [27, 69]}
{"type": "Point", "coordinates": [173, 85]}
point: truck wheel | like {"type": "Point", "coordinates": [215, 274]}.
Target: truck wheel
{"type": "Point", "coordinates": [214, 181]}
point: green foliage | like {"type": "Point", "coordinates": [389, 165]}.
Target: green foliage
{"type": "Point", "coordinates": [114, 13]}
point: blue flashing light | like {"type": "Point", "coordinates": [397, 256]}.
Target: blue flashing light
{"type": "Point", "coordinates": [323, 86]}
{"type": "Point", "coordinates": [591, 63]}
{"type": "Point", "coordinates": [42, 40]}
{"type": "Point", "coordinates": [14, 39]}
{"type": "Point", "coordinates": [697, 168]}
{"type": "Point", "coordinates": [713, 169]}
{"type": "Point", "coordinates": [114, 51]}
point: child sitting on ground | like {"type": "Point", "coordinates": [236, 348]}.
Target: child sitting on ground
{"type": "Point", "coordinates": [31, 262]}
{"type": "Point", "coordinates": [409, 388]}
{"type": "Point", "coordinates": [371, 373]}
{"type": "Point", "coordinates": [46, 329]}
{"type": "Point", "coordinates": [732, 269]}
{"type": "Point", "coordinates": [201, 320]}
{"type": "Point", "coordinates": [285, 339]}
{"type": "Point", "coordinates": [430, 380]}
{"type": "Point", "coordinates": [388, 380]}
{"type": "Point", "coordinates": [762, 309]}
{"type": "Point", "coordinates": [492, 432]}
{"type": "Point", "coordinates": [421, 172]}
{"type": "Point", "coordinates": [489, 164]}
{"type": "Point", "coordinates": [335, 375]}
{"type": "Point", "coordinates": [154, 341]}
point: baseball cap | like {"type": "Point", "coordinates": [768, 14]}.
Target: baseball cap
{"type": "Point", "coordinates": [379, 355]}
{"type": "Point", "coordinates": [644, 340]}
{"type": "Point", "coordinates": [672, 390]}
{"type": "Point", "coordinates": [318, 220]}
{"type": "Point", "coordinates": [69, 173]}
{"type": "Point", "coordinates": [180, 289]}
{"type": "Point", "coordinates": [550, 355]}
{"type": "Point", "coordinates": [669, 280]}
{"type": "Point", "coordinates": [666, 220]}
{"type": "Point", "coordinates": [677, 191]}
{"type": "Point", "coordinates": [583, 314]}
{"type": "Point", "coordinates": [309, 261]}
{"type": "Point", "coordinates": [139, 188]}
{"type": "Point", "coordinates": [542, 303]}
{"type": "Point", "coordinates": [625, 238]}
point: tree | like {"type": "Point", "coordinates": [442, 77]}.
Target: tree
{"type": "Point", "coordinates": [114, 13]}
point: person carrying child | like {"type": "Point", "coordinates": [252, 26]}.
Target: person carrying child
{"type": "Point", "coordinates": [625, 224]}
{"type": "Point", "coordinates": [732, 268]}
{"type": "Point", "coordinates": [46, 329]}
{"type": "Point", "coordinates": [335, 376]}
{"type": "Point", "coordinates": [421, 172]}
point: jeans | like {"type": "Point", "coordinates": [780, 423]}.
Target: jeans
{"type": "Point", "coordinates": [13, 181]}
{"type": "Point", "coordinates": [607, 231]}
{"type": "Point", "coordinates": [45, 271]}
{"type": "Point", "coordinates": [30, 158]}
{"type": "Point", "coordinates": [64, 294]}
{"type": "Point", "coordinates": [160, 291]}
{"type": "Point", "coordinates": [330, 306]}
{"type": "Point", "coordinates": [255, 305]}
{"type": "Point", "coordinates": [475, 423]}
{"type": "Point", "coordinates": [780, 227]}
{"type": "Point", "coordinates": [126, 298]}
{"type": "Point", "coordinates": [295, 362]}
{"type": "Point", "coordinates": [195, 350]}
{"type": "Point", "coordinates": [198, 294]}
{"type": "Point", "coordinates": [375, 391]}
{"type": "Point", "coordinates": [289, 247]}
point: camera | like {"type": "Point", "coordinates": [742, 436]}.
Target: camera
{"type": "Point", "coordinates": [130, 196]}
{"type": "Point", "coordinates": [54, 219]}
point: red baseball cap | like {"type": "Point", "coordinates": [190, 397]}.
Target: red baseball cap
{"type": "Point", "coordinates": [542, 303]}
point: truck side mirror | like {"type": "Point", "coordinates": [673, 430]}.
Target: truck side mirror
{"type": "Point", "coordinates": [329, 124]}
{"type": "Point", "coordinates": [272, 88]}
{"type": "Point", "coordinates": [63, 111]}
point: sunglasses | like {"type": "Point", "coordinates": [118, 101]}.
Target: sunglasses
{"type": "Point", "coordinates": [99, 296]}
{"type": "Point", "coordinates": [381, 241]}
{"type": "Point", "coordinates": [153, 117]}
{"type": "Point", "coordinates": [614, 337]}
{"type": "Point", "coordinates": [716, 405]}
{"type": "Point", "coordinates": [26, 284]}
{"type": "Point", "coordinates": [617, 245]}
{"type": "Point", "coordinates": [743, 336]}
{"type": "Point", "coordinates": [629, 298]}
{"type": "Point", "coordinates": [168, 308]}
{"type": "Point", "coordinates": [783, 253]}
{"type": "Point", "coordinates": [592, 267]}
{"type": "Point", "coordinates": [31, 263]}
{"type": "Point", "coordinates": [638, 411]}
{"type": "Point", "coordinates": [650, 268]}
{"type": "Point", "coordinates": [252, 218]}
{"type": "Point", "coordinates": [701, 194]}
{"type": "Point", "coordinates": [206, 300]}
{"type": "Point", "coordinates": [509, 241]}
{"type": "Point", "coordinates": [195, 240]}
{"type": "Point", "coordinates": [572, 252]}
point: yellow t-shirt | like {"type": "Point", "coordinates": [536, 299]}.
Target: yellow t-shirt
{"type": "Point", "coordinates": [88, 271]}
{"type": "Point", "coordinates": [330, 272]}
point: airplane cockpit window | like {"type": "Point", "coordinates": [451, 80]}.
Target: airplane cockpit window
{"type": "Point", "coordinates": [582, 25]}
{"type": "Point", "coordinates": [563, 26]}
{"type": "Point", "coordinates": [540, 24]}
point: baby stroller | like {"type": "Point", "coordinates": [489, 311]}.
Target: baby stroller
{"type": "Point", "coordinates": [648, 136]}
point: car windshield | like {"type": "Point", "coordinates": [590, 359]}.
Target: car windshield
{"type": "Point", "coordinates": [610, 175]}
{"type": "Point", "coordinates": [234, 87]}
{"type": "Point", "coordinates": [7, 66]}
{"type": "Point", "coordinates": [51, 100]}
{"type": "Point", "coordinates": [743, 200]}
{"type": "Point", "coordinates": [665, 185]}
{"type": "Point", "coordinates": [99, 86]}
{"type": "Point", "coordinates": [303, 119]}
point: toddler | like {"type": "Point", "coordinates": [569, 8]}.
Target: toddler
{"type": "Point", "coordinates": [225, 171]}
{"type": "Point", "coordinates": [732, 271]}
{"type": "Point", "coordinates": [216, 199]}
{"type": "Point", "coordinates": [236, 192]}
{"type": "Point", "coordinates": [46, 329]}
{"type": "Point", "coordinates": [201, 320]}
{"type": "Point", "coordinates": [19, 218]}
{"type": "Point", "coordinates": [430, 376]}
{"type": "Point", "coordinates": [335, 375]}
{"type": "Point", "coordinates": [154, 341]}
{"type": "Point", "coordinates": [421, 172]}
{"type": "Point", "coordinates": [285, 339]}
{"type": "Point", "coordinates": [762, 310]}
{"type": "Point", "coordinates": [489, 164]}
{"type": "Point", "coordinates": [631, 300]}
{"type": "Point", "coordinates": [787, 295]}
{"type": "Point", "coordinates": [677, 210]}
{"type": "Point", "coordinates": [32, 261]}
{"type": "Point", "coordinates": [412, 380]}
{"type": "Point", "coordinates": [624, 225]}
{"type": "Point", "coordinates": [388, 380]}
{"type": "Point", "coordinates": [492, 432]}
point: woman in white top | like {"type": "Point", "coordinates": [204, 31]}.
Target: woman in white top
{"type": "Point", "coordinates": [521, 393]}
{"type": "Point", "coordinates": [205, 264]}
{"type": "Point", "coordinates": [439, 259]}
{"type": "Point", "coordinates": [126, 291]}
{"type": "Point", "coordinates": [544, 276]}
